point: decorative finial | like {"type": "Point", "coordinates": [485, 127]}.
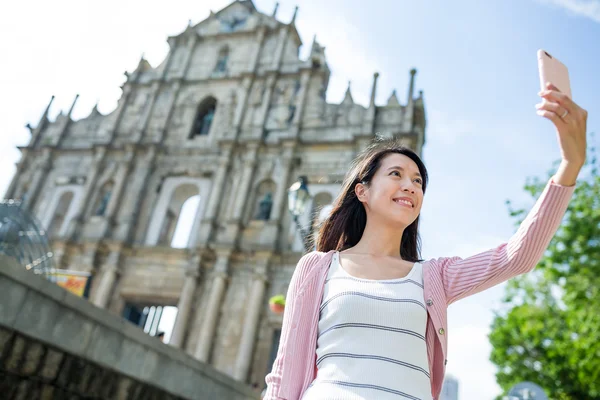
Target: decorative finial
{"type": "Point", "coordinates": [373, 90]}
{"type": "Point", "coordinates": [275, 10]}
{"type": "Point", "coordinates": [47, 110]}
{"type": "Point", "coordinates": [295, 14]}
{"type": "Point", "coordinates": [411, 86]}
{"type": "Point", "coordinates": [73, 105]}
{"type": "Point", "coordinates": [393, 100]}
{"type": "Point", "coordinates": [348, 96]}
{"type": "Point", "coordinates": [95, 108]}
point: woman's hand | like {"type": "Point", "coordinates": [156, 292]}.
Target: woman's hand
{"type": "Point", "coordinates": [570, 121]}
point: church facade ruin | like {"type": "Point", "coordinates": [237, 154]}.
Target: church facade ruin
{"type": "Point", "coordinates": [231, 118]}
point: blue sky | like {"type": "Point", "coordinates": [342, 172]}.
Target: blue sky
{"type": "Point", "coordinates": [476, 64]}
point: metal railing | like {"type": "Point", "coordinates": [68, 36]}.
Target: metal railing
{"type": "Point", "coordinates": [22, 237]}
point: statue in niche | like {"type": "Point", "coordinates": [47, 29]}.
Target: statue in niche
{"type": "Point", "coordinates": [292, 113]}
{"type": "Point", "coordinates": [222, 61]}
{"type": "Point", "coordinates": [206, 121]}
{"type": "Point", "coordinates": [101, 209]}
{"type": "Point", "coordinates": [279, 94]}
{"type": "Point", "coordinates": [264, 207]}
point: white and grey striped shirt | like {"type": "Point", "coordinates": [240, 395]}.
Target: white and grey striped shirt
{"type": "Point", "coordinates": [371, 340]}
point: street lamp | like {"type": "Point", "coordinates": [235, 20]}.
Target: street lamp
{"type": "Point", "coordinates": [298, 199]}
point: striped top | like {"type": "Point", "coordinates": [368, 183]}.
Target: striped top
{"type": "Point", "coordinates": [371, 338]}
{"type": "Point", "coordinates": [445, 281]}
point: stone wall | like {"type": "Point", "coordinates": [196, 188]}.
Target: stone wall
{"type": "Point", "coordinates": [54, 345]}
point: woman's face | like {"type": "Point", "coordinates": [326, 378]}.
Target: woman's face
{"type": "Point", "coordinates": [395, 194]}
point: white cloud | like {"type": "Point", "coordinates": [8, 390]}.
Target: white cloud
{"type": "Point", "coordinates": [585, 8]}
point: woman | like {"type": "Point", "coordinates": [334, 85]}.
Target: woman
{"type": "Point", "coordinates": [365, 317]}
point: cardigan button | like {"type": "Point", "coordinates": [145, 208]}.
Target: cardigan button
{"type": "Point", "coordinates": [429, 302]}
{"type": "Point", "coordinates": [441, 331]}
{"type": "Point", "coordinates": [446, 361]}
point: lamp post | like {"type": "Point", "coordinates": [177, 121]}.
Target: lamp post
{"type": "Point", "coordinates": [298, 199]}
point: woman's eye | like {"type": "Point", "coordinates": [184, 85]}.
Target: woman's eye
{"type": "Point", "coordinates": [419, 181]}
{"type": "Point", "coordinates": [395, 172]}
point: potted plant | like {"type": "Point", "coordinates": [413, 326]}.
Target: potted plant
{"type": "Point", "coordinates": [277, 303]}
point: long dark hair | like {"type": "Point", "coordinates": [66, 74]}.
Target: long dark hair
{"type": "Point", "coordinates": [346, 223]}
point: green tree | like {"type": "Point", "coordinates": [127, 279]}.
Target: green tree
{"type": "Point", "coordinates": [548, 330]}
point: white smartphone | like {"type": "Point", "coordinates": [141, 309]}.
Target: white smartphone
{"type": "Point", "coordinates": [553, 71]}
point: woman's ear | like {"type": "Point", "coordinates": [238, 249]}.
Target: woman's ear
{"type": "Point", "coordinates": [360, 190]}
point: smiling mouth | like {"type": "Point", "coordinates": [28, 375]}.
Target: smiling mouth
{"type": "Point", "coordinates": [406, 203]}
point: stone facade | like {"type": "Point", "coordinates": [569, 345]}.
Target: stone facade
{"type": "Point", "coordinates": [232, 114]}
{"type": "Point", "coordinates": [55, 345]}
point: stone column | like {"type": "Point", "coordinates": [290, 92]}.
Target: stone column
{"type": "Point", "coordinates": [369, 118]}
{"type": "Point", "coordinates": [254, 307]}
{"type": "Point", "coordinates": [148, 111]}
{"type": "Point", "coordinates": [191, 44]}
{"type": "Point", "coordinates": [132, 207]}
{"type": "Point", "coordinates": [185, 301]}
{"type": "Point", "coordinates": [410, 104]}
{"type": "Point", "coordinates": [120, 110]}
{"type": "Point", "coordinates": [90, 184]}
{"type": "Point", "coordinates": [301, 102]}
{"type": "Point", "coordinates": [260, 36]}
{"type": "Point", "coordinates": [280, 195]}
{"type": "Point", "coordinates": [37, 132]}
{"type": "Point", "coordinates": [266, 100]}
{"type": "Point", "coordinates": [65, 127]}
{"type": "Point", "coordinates": [242, 191]}
{"type": "Point", "coordinates": [243, 93]}
{"type": "Point", "coordinates": [120, 180]}
{"type": "Point", "coordinates": [177, 82]}
{"type": "Point", "coordinates": [175, 96]}
{"type": "Point", "coordinates": [38, 180]}
{"type": "Point", "coordinates": [215, 198]}
{"type": "Point", "coordinates": [281, 42]}
{"type": "Point", "coordinates": [218, 184]}
{"type": "Point", "coordinates": [209, 323]}
{"type": "Point", "coordinates": [110, 272]}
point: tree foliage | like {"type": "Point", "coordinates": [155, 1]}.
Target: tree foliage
{"type": "Point", "coordinates": [548, 331]}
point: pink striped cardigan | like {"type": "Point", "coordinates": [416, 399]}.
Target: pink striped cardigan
{"type": "Point", "coordinates": [446, 280]}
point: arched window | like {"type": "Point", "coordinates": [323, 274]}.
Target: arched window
{"type": "Point", "coordinates": [103, 198]}
{"type": "Point", "coordinates": [204, 117]}
{"type": "Point", "coordinates": [60, 213]}
{"type": "Point", "coordinates": [222, 60]}
{"type": "Point", "coordinates": [177, 223]}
